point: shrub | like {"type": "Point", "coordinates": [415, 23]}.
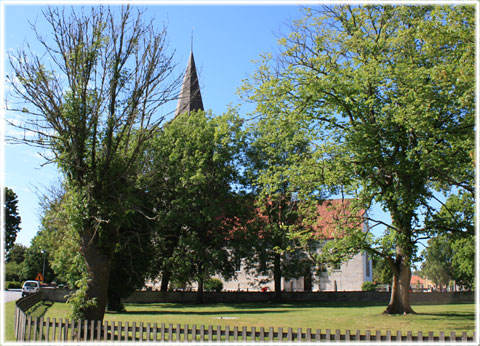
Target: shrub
{"type": "Point", "coordinates": [213, 285]}
{"type": "Point", "coordinates": [12, 284]}
{"type": "Point", "coordinates": [368, 286]}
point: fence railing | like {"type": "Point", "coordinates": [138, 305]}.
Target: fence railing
{"type": "Point", "coordinates": [46, 329]}
{"type": "Point", "coordinates": [21, 307]}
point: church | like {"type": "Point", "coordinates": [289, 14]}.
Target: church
{"type": "Point", "coordinates": [349, 276]}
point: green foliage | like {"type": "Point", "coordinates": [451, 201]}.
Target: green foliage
{"type": "Point", "coordinates": [450, 256]}
{"type": "Point", "coordinates": [190, 176]}
{"type": "Point", "coordinates": [79, 301]}
{"type": "Point", "coordinates": [12, 284]}
{"type": "Point", "coordinates": [382, 273]}
{"type": "Point", "coordinates": [12, 218]}
{"type": "Point", "coordinates": [35, 257]}
{"type": "Point", "coordinates": [368, 286]}
{"type": "Point", "coordinates": [464, 262]}
{"type": "Point", "coordinates": [213, 285]}
{"type": "Point", "coordinates": [60, 240]}
{"type": "Point", "coordinates": [15, 272]}
{"type": "Point", "coordinates": [438, 256]}
{"type": "Point", "coordinates": [16, 253]}
{"type": "Point", "coordinates": [279, 162]}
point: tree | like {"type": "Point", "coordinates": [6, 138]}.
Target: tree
{"type": "Point", "coordinates": [275, 147]}
{"type": "Point", "coordinates": [130, 263]}
{"type": "Point", "coordinates": [93, 111]}
{"type": "Point", "coordinates": [438, 256]}
{"type": "Point", "coordinates": [382, 274]}
{"type": "Point", "coordinates": [190, 179]}
{"type": "Point", "coordinates": [12, 218]}
{"type": "Point", "coordinates": [14, 263]}
{"type": "Point", "coordinates": [390, 91]}
{"type": "Point", "coordinates": [16, 253]}
{"type": "Point", "coordinates": [36, 261]}
{"type": "Point", "coordinates": [452, 254]}
{"type": "Point", "coordinates": [463, 261]}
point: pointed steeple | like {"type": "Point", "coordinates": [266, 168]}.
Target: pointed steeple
{"type": "Point", "coordinates": [190, 97]}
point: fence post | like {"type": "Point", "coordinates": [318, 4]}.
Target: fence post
{"type": "Point", "coordinates": [35, 328]}
{"type": "Point", "coordinates": [47, 328]}
{"type": "Point", "coordinates": [134, 331]}
{"type": "Point", "coordinates": [65, 330]}
{"type": "Point", "coordinates": [149, 332]}
{"type": "Point", "coordinates": [177, 333]}
{"type": "Point", "coordinates": [162, 332]}
{"type": "Point", "coordinates": [318, 335]}
{"type": "Point", "coordinates": [140, 332]}
{"type": "Point", "coordinates": [41, 328]}
{"type": "Point", "coordinates": [210, 333]}
{"type": "Point", "coordinates": [126, 332]}
{"type": "Point", "coordinates": [29, 328]}
{"type": "Point", "coordinates": [155, 332]}
{"type": "Point", "coordinates": [308, 335]}
{"type": "Point", "coordinates": [54, 331]}
{"type": "Point", "coordinates": [227, 334]}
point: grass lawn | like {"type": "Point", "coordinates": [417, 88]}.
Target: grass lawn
{"type": "Point", "coordinates": [9, 320]}
{"type": "Point", "coordinates": [353, 316]}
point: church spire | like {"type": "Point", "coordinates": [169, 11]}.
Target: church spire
{"type": "Point", "coordinates": [190, 97]}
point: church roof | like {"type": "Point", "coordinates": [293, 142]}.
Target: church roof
{"type": "Point", "coordinates": [190, 97]}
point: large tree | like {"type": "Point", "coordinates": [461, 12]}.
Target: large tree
{"type": "Point", "coordinates": [131, 258]}
{"type": "Point", "coordinates": [92, 99]}
{"type": "Point", "coordinates": [277, 152]}
{"type": "Point", "coordinates": [12, 218]}
{"type": "Point", "coordinates": [391, 89]}
{"type": "Point", "coordinates": [190, 177]}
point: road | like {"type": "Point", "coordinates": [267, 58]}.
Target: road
{"type": "Point", "coordinates": [8, 296]}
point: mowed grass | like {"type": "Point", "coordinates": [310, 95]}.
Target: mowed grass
{"type": "Point", "coordinates": [343, 316]}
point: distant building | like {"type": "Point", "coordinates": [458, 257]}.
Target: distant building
{"type": "Point", "coordinates": [348, 276]}
{"type": "Point", "coordinates": [190, 98]}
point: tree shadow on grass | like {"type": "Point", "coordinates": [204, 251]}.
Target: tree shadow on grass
{"type": "Point", "coordinates": [456, 315]}
{"type": "Point", "coordinates": [40, 309]}
{"type": "Point", "coordinates": [203, 313]}
{"type": "Point", "coordinates": [257, 306]}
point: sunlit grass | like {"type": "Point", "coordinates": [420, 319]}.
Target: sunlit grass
{"type": "Point", "coordinates": [353, 316]}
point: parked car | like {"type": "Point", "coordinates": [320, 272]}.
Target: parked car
{"type": "Point", "coordinates": [30, 287]}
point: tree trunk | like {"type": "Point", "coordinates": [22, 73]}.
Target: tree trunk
{"type": "Point", "coordinates": [200, 291]}
{"type": "Point", "coordinates": [115, 302]}
{"type": "Point", "coordinates": [166, 274]}
{"type": "Point", "coordinates": [98, 270]}
{"type": "Point", "coordinates": [277, 278]}
{"type": "Point", "coordinates": [400, 296]}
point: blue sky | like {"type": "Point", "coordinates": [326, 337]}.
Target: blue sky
{"type": "Point", "coordinates": [226, 40]}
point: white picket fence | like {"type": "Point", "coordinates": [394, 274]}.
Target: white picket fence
{"type": "Point", "coordinates": [41, 329]}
